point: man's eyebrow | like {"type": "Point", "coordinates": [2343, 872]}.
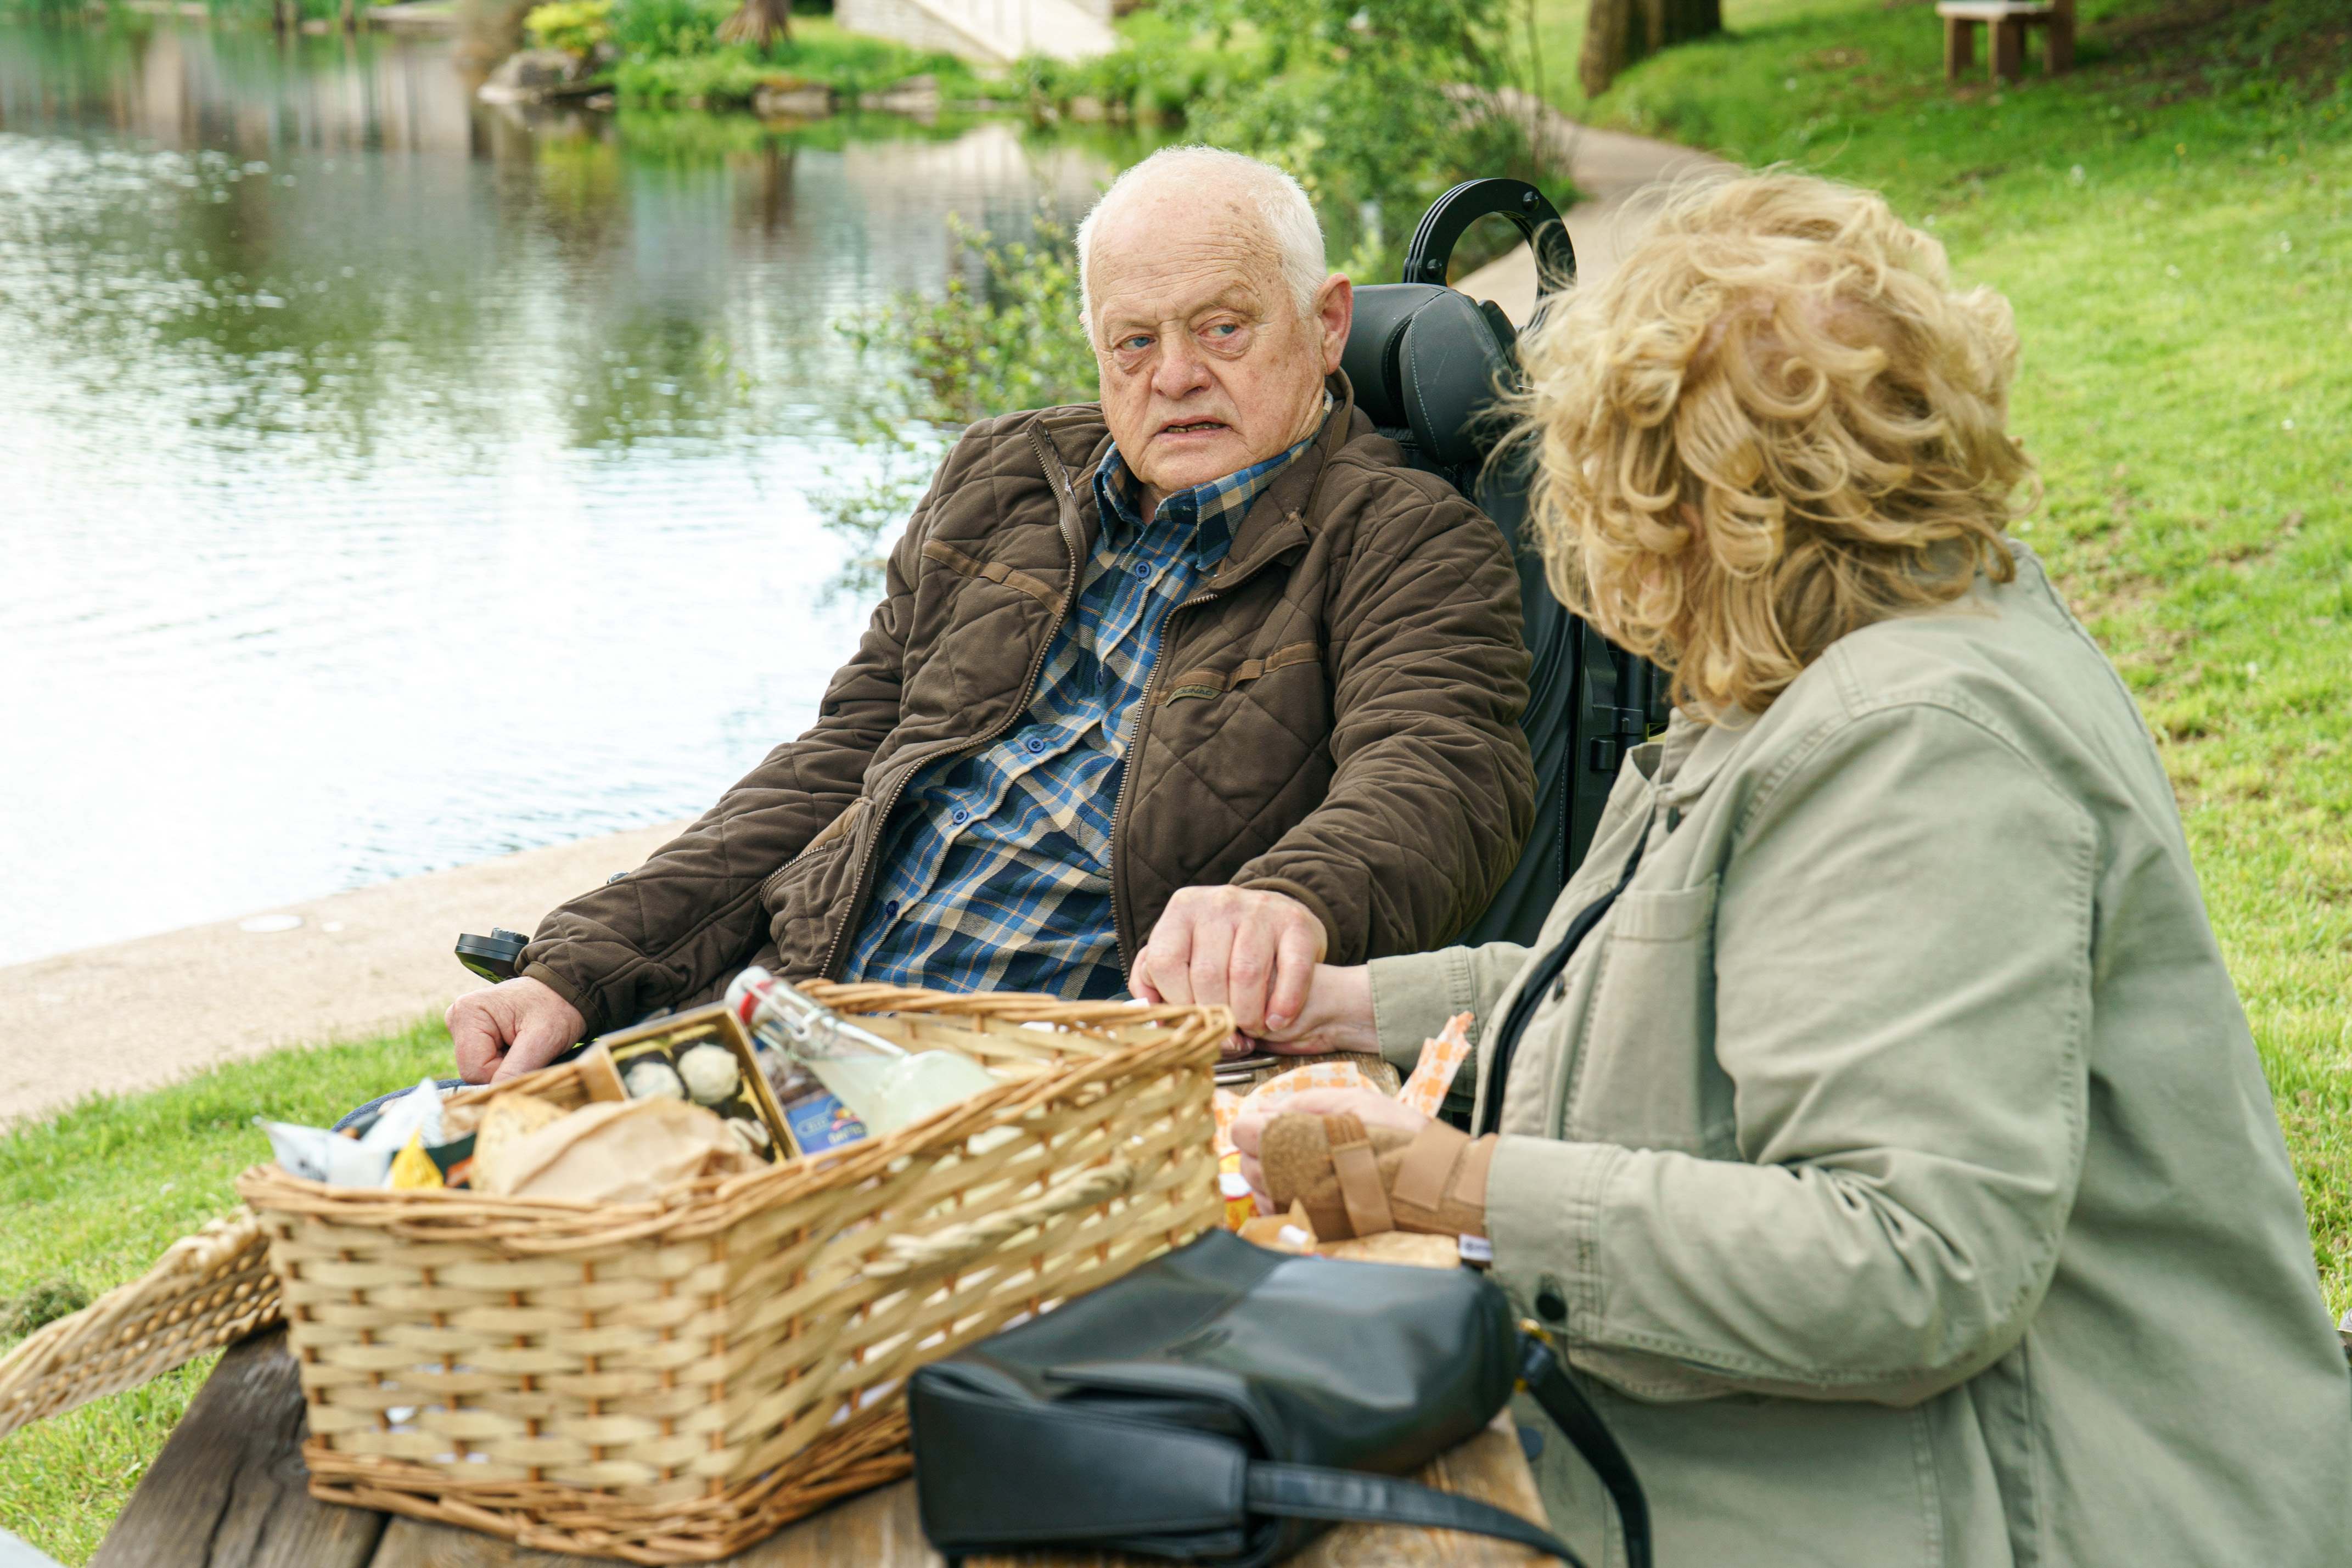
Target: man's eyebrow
{"type": "Point", "coordinates": [1235, 295]}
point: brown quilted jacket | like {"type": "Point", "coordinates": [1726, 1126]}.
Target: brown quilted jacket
{"type": "Point", "coordinates": [1333, 715]}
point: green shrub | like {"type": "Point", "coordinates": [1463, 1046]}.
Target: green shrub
{"type": "Point", "coordinates": [1011, 339]}
{"type": "Point", "coordinates": [670, 55]}
{"type": "Point", "coordinates": [722, 76]}
{"type": "Point", "coordinates": [577, 27]}
{"type": "Point", "coordinates": [644, 27]}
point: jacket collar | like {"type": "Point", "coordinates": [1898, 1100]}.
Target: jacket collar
{"type": "Point", "coordinates": [1276, 522]}
{"type": "Point", "coordinates": [1684, 761]}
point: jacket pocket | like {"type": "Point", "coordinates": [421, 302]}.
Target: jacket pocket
{"type": "Point", "coordinates": [827, 842]}
{"type": "Point", "coordinates": [1048, 594]}
{"type": "Point", "coordinates": [1206, 682]}
{"type": "Point", "coordinates": [1647, 1076]}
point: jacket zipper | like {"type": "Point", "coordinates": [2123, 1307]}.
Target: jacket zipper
{"type": "Point", "coordinates": [1127, 775]}
{"type": "Point", "coordinates": [1059, 477]}
{"type": "Point", "coordinates": [1151, 684]}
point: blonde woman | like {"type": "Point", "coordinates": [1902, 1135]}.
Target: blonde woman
{"type": "Point", "coordinates": [1874, 1125]}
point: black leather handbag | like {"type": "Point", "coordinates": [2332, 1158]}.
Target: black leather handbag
{"type": "Point", "coordinates": [1224, 1405]}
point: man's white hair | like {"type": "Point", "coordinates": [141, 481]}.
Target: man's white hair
{"type": "Point", "coordinates": [1281, 202]}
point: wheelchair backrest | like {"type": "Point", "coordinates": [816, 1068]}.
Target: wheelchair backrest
{"type": "Point", "coordinates": [1426, 363]}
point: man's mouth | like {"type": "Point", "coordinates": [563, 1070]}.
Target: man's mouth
{"type": "Point", "coordinates": [1194, 427]}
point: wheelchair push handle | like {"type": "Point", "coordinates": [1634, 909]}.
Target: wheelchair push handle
{"type": "Point", "coordinates": [1529, 210]}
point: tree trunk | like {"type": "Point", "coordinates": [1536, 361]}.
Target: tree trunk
{"type": "Point", "coordinates": [1617, 33]}
{"type": "Point", "coordinates": [759, 22]}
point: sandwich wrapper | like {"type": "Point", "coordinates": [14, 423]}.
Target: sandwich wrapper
{"type": "Point", "coordinates": [1433, 1074]}
{"type": "Point", "coordinates": [318, 1154]}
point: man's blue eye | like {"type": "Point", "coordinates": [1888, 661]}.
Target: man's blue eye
{"type": "Point", "coordinates": [1136, 342]}
{"type": "Point", "coordinates": [1224, 329]}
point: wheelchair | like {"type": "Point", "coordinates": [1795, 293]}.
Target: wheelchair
{"type": "Point", "coordinates": [1427, 362]}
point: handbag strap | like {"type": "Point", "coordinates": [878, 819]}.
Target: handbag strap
{"type": "Point", "coordinates": [1315, 1491]}
{"type": "Point", "coordinates": [1573, 1414]}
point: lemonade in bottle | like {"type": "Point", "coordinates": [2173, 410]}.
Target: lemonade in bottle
{"type": "Point", "coordinates": [881, 1083]}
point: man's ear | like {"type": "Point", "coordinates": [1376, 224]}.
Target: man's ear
{"type": "Point", "coordinates": [1335, 312]}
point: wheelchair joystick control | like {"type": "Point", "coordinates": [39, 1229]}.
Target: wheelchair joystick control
{"type": "Point", "coordinates": [495, 957]}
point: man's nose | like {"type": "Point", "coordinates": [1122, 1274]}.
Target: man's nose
{"type": "Point", "coordinates": [1181, 372]}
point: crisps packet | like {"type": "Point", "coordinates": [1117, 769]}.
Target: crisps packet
{"type": "Point", "coordinates": [1441, 1059]}
{"type": "Point", "coordinates": [1224, 1106]}
{"type": "Point", "coordinates": [413, 1168]}
{"type": "Point", "coordinates": [1270, 1095]}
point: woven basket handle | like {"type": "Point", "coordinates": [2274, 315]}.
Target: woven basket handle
{"type": "Point", "coordinates": [951, 1247]}
{"type": "Point", "coordinates": [207, 1290]}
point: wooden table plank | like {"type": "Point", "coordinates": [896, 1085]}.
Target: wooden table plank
{"type": "Point", "coordinates": [880, 1529]}
{"type": "Point", "coordinates": [229, 1490]}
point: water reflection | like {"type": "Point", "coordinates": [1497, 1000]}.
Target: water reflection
{"type": "Point", "coordinates": [389, 480]}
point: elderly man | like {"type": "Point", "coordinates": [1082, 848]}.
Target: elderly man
{"type": "Point", "coordinates": [1203, 661]}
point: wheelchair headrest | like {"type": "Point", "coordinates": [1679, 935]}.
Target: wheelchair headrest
{"type": "Point", "coordinates": [1429, 362]}
{"type": "Point", "coordinates": [1427, 359]}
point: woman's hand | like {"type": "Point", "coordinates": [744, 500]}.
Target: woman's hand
{"type": "Point", "coordinates": [1369, 1106]}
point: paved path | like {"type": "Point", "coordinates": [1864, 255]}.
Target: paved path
{"type": "Point", "coordinates": [141, 1013]}
{"type": "Point", "coordinates": [1608, 168]}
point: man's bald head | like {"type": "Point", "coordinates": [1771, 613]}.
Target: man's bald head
{"type": "Point", "coordinates": [1189, 189]}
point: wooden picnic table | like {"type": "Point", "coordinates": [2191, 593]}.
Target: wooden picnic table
{"type": "Point", "coordinates": [229, 1490]}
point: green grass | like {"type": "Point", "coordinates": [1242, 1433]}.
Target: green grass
{"type": "Point", "coordinates": [2172, 222]}
{"type": "Point", "coordinates": [96, 1191]}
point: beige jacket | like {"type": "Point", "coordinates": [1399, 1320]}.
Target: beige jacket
{"type": "Point", "coordinates": [1894, 1157]}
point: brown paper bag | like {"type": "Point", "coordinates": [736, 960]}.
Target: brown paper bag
{"type": "Point", "coordinates": [629, 1152]}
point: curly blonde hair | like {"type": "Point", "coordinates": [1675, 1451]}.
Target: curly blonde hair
{"type": "Point", "coordinates": [1775, 423]}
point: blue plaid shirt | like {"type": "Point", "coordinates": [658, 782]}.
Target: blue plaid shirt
{"type": "Point", "coordinates": [996, 866]}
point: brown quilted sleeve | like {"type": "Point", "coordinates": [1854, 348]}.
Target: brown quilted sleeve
{"type": "Point", "coordinates": [674, 927]}
{"type": "Point", "coordinates": [1434, 791]}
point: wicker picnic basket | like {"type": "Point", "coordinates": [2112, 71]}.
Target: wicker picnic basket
{"type": "Point", "coordinates": [670, 1382]}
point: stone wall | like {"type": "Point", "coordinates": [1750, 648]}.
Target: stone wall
{"type": "Point", "coordinates": [986, 32]}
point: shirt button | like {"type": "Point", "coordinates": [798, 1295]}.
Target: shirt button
{"type": "Point", "coordinates": [960, 817]}
{"type": "Point", "coordinates": [1034, 744]}
{"type": "Point", "coordinates": [890, 910]}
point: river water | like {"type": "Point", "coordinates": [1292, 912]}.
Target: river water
{"type": "Point", "coordinates": [389, 480]}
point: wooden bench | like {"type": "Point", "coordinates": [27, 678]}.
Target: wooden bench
{"type": "Point", "coordinates": [2006, 21]}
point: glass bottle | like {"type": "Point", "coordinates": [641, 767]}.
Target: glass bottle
{"type": "Point", "coordinates": [881, 1083]}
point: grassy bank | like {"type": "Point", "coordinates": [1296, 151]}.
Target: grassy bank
{"type": "Point", "coordinates": [2173, 224]}
{"type": "Point", "coordinates": [95, 1193]}
{"type": "Point", "coordinates": [670, 55]}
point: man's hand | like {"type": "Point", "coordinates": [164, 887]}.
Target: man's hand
{"type": "Point", "coordinates": [1239, 947]}
{"type": "Point", "coordinates": [510, 1029]}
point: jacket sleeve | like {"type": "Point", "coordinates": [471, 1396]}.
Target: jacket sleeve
{"type": "Point", "coordinates": [1903, 961]}
{"type": "Point", "coordinates": [1414, 994]}
{"type": "Point", "coordinates": [1433, 792]}
{"type": "Point", "coordinates": [675, 924]}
